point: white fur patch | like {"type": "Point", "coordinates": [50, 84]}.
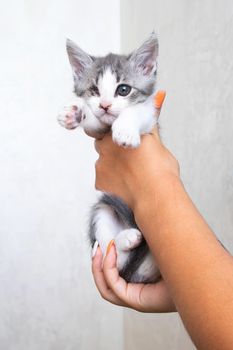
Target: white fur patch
{"type": "Point", "coordinates": [133, 122]}
{"type": "Point", "coordinates": [107, 87]}
{"type": "Point", "coordinates": [107, 227]}
{"type": "Point", "coordinates": [149, 268]}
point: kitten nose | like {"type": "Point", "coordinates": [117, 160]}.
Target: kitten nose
{"type": "Point", "coordinates": [105, 106]}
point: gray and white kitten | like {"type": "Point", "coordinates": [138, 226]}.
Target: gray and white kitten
{"type": "Point", "coordinates": [116, 91]}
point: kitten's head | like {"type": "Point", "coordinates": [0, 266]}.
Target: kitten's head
{"type": "Point", "coordinates": [111, 83]}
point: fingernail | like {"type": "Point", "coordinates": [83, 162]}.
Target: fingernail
{"type": "Point", "coordinates": [159, 98]}
{"type": "Point", "coordinates": [94, 249]}
{"type": "Point", "coordinates": [110, 244]}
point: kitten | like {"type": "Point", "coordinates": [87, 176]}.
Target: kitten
{"type": "Point", "coordinates": [116, 91]}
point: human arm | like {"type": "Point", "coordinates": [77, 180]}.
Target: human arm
{"type": "Point", "coordinates": [142, 297]}
{"type": "Point", "coordinates": [196, 269]}
{"type": "Point", "coordinates": [138, 296]}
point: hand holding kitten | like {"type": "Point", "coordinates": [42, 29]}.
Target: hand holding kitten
{"type": "Point", "coordinates": [116, 93]}
{"type": "Point", "coordinates": [150, 297]}
{"type": "Point", "coordinates": [133, 170]}
{"type": "Point", "coordinates": [153, 297]}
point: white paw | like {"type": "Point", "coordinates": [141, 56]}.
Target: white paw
{"type": "Point", "coordinates": [124, 136]}
{"type": "Point", "coordinates": [128, 239]}
{"type": "Point", "coordinates": [70, 117]}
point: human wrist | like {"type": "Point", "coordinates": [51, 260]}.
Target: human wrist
{"type": "Point", "coordinates": [157, 171]}
{"type": "Point", "coordinates": [158, 191]}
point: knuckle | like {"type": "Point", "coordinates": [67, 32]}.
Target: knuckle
{"type": "Point", "coordinates": [97, 187]}
{"type": "Point", "coordinates": [103, 295]}
{"type": "Point", "coordinates": [97, 164]}
{"type": "Point", "coordinates": [96, 146]}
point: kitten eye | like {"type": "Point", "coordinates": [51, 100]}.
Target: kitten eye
{"type": "Point", "coordinates": [94, 90]}
{"type": "Point", "coordinates": [123, 90]}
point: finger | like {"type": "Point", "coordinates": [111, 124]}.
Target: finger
{"type": "Point", "coordinates": [127, 292]}
{"type": "Point", "coordinates": [159, 98]}
{"type": "Point", "coordinates": [112, 277]}
{"type": "Point", "coordinates": [155, 132]}
{"type": "Point", "coordinates": [100, 282]}
{"type": "Point", "coordinates": [103, 145]}
{"type": "Point", "coordinates": [155, 298]}
{"type": "Point", "coordinates": [158, 102]}
{"type": "Point", "coordinates": [142, 297]}
{"type": "Point", "coordinates": [96, 147]}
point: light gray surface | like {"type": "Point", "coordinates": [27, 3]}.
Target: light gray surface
{"type": "Point", "coordinates": [47, 296]}
{"type": "Point", "coordinates": [196, 70]}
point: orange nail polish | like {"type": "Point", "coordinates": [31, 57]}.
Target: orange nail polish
{"type": "Point", "coordinates": [159, 98]}
{"type": "Point", "coordinates": [110, 244]}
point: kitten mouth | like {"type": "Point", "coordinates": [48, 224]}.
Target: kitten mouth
{"type": "Point", "coordinates": [108, 114]}
{"type": "Point", "coordinates": [108, 118]}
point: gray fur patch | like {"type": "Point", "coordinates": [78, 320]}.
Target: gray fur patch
{"type": "Point", "coordinates": [120, 66]}
{"type": "Point", "coordinates": [124, 72]}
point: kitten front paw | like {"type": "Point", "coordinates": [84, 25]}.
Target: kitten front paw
{"type": "Point", "coordinates": [125, 137]}
{"type": "Point", "coordinates": [70, 117]}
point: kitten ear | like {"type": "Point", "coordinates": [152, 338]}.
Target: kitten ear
{"type": "Point", "coordinates": [79, 60]}
{"type": "Point", "coordinates": [145, 57]}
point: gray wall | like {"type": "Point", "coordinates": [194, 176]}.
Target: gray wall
{"type": "Point", "coordinates": [47, 297]}
{"type": "Point", "coordinates": [196, 70]}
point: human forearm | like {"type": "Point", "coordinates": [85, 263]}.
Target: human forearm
{"type": "Point", "coordinates": [197, 270]}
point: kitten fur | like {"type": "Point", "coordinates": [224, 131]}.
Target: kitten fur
{"type": "Point", "coordinates": [116, 91]}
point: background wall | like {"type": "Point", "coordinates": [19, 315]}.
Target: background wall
{"type": "Point", "coordinates": [196, 70]}
{"type": "Point", "coordinates": [47, 296]}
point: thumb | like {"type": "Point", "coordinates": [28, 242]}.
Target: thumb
{"type": "Point", "coordinates": [158, 101]}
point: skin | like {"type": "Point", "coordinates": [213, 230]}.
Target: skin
{"type": "Point", "coordinates": [197, 271]}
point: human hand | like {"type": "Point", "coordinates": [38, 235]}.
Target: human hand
{"type": "Point", "coordinates": [138, 296]}
{"type": "Point", "coordinates": [134, 171]}
{"type": "Point", "coordinates": [126, 166]}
